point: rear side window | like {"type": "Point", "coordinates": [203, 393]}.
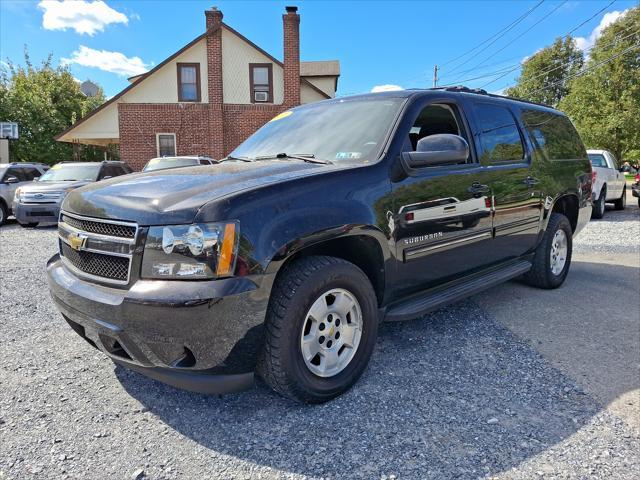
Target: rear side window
{"type": "Point", "coordinates": [554, 134]}
{"type": "Point", "coordinates": [499, 136]}
{"type": "Point", "coordinates": [597, 160]}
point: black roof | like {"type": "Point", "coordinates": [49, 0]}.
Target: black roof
{"type": "Point", "coordinates": [455, 90]}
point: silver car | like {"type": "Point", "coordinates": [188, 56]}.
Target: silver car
{"type": "Point", "coordinates": [40, 201]}
{"type": "Point", "coordinates": [13, 176]}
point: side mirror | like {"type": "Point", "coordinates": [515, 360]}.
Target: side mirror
{"type": "Point", "coordinates": [436, 150]}
{"type": "Point", "coordinates": [35, 179]}
{"type": "Point", "coordinates": [11, 179]}
{"type": "Point", "coordinates": [106, 177]}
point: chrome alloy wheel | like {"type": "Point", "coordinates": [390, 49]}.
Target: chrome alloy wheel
{"type": "Point", "coordinates": [559, 249]}
{"type": "Point", "coordinates": [331, 332]}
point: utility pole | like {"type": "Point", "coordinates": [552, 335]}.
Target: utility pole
{"type": "Point", "coordinates": [435, 76]}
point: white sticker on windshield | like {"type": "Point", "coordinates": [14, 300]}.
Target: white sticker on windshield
{"type": "Point", "coordinates": [348, 155]}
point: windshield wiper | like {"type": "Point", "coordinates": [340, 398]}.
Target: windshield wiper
{"type": "Point", "coordinates": [242, 159]}
{"type": "Point", "coordinates": [305, 157]}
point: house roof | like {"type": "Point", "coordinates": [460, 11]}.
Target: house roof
{"type": "Point", "coordinates": [326, 68]}
{"type": "Point", "coordinates": [138, 79]}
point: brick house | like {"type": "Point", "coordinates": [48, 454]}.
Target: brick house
{"type": "Point", "coordinates": [208, 97]}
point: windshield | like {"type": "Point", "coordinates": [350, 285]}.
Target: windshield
{"type": "Point", "coordinates": [597, 160]}
{"type": "Point", "coordinates": [169, 162]}
{"type": "Point", "coordinates": [339, 131]}
{"type": "Point", "coordinates": [68, 172]}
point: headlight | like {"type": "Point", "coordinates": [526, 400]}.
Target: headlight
{"type": "Point", "coordinates": [206, 250]}
{"type": "Point", "coordinates": [16, 195]}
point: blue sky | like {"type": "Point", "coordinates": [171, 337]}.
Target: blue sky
{"type": "Point", "coordinates": [378, 43]}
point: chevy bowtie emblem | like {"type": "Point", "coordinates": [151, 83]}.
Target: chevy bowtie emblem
{"type": "Point", "coordinates": [77, 241]}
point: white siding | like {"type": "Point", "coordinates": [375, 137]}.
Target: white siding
{"type": "Point", "coordinates": [326, 84]}
{"type": "Point", "coordinates": [236, 57]}
{"type": "Point", "coordinates": [162, 86]}
{"type": "Point", "coordinates": [309, 95]}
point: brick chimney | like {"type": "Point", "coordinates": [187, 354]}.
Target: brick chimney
{"type": "Point", "coordinates": [214, 82]}
{"type": "Point", "coordinates": [291, 25]}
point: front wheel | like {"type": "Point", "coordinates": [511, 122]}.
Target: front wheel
{"type": "Point", "coordinates": [621, 202]}
{"type": "Point", "coordinates": [553, 256]}
{"type": "Point", "coordinates": [321, 328]}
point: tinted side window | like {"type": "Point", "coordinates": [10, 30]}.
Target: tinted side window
{"type": "Point", "coordinates": [19, 173]}
{"type": "Point", "coordinates": [205, 162]}
{"type": "Point", "coordinates": [500, 140]}
{"type": "Point", "coordinates": [554, 134]}
{"type": "Point", "coordinates": [31, 173]}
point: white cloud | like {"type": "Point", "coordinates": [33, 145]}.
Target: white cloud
{"type": "Point", "coordinates": [385, 88]}
{"type": "Point", "coordinates": [527, 57]}
{"type": "Point", "coordinates": [584, 43]}
{"type": "Point", "coordinates": [114, 62]}
{"type": "Point", "coordinates": [80, 15]}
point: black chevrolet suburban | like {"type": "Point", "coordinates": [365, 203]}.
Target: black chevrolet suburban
{"type": "Point", "coordinates": [282, 259]}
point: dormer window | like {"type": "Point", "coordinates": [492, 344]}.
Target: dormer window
{"type": "Point", "coordinates": [261, 79]}
{"type": "Point", "coordinates": [188, 82]}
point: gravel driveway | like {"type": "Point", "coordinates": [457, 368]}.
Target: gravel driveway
{"type": "Point", "coordinates": [470, 391]}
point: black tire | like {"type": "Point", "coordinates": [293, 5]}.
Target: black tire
{"type": "Point", "coordinates": [541, 275]}
{"type": "Point", "coordinates": [621, 203]}
{"type": "Point", "coordinates": [3, 213]}
{"type": "Point", "coordinates": [29, 225]}
{"type": "Point", "coordinates": [281, 364]}
{"type": "Point", "coordinates": [599, 205]}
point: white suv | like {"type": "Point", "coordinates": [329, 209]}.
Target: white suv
{"type": "Point", "coordinates": [609, 184]}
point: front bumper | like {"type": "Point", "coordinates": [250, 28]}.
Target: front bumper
{"type": "Point", "coordinates": [202, 336]}
{"type": "Point", "coordinates": [36, 212]}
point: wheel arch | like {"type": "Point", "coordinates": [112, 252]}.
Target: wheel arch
{"type": "Point", "coordinates": [568, 205]}
{"type": "Point", "coordinates": [361, 246]}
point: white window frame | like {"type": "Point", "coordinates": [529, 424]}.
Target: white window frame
{"type": "Point", "coordinates": [175, 145]}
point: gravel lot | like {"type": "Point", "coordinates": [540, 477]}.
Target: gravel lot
{"type": "Point", "coordinates": [467, 392]}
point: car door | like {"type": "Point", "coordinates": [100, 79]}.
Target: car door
{"type": "Point", "coordinates": [617, 179]}
{"type": "Point", "coordinates": [504, 152]}
{"type": "Point", "coordinates": [441, 221]}
{"type": "Point", "coordinates": [20, 174]}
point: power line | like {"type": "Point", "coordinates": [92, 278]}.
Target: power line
{"type": "Point", "coordinates": [592, 67]}
{"type": "Point", "coordinates": [522, 34]}
{"type": "Point", "coordinates": [616, 39]}
{"type": "Point", "coordinates": [515, 67]}
{"type": "Point", "coordinates": [495, 37]}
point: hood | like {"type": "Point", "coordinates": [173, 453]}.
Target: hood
{"type": "Point", "coordinates": [51, 186]}
{"type": "Point", "coordinates": [174, 196]}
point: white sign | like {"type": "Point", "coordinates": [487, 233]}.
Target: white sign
{"type": "Point", "coordinates": [9, 130]}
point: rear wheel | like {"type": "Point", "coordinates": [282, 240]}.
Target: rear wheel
{"type": "Point", "coordinates": [599, 205]}
{"type": "Point", "coordinates": [553, 256]}
{"type": "Point", "coordinates": [621, 203]}
{"type": "Point", "coordinates": [3, 213]}
{"type": "Point", "coordinates": [321, 329]}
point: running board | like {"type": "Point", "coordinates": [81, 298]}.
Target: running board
{"type": "Point", "coordinates": [421, 304]}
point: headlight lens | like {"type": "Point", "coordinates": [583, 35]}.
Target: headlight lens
{"type": "Point", "coordinates": [16, 195]}
{"type": "Point", "coordinates": [199, 251]}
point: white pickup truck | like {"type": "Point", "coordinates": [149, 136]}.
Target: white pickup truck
{"type": "Point", "coordinates": [609, 184]}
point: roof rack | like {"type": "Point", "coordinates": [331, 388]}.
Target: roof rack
{"type": "Point", "coordinates": [480, 91]}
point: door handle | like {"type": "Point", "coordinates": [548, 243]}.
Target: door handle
{"type": "Point", "coordinates": [530, 181]}
{"type": "Point", "coordinates": [478, 188]}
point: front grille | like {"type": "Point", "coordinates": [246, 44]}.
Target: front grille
{"type": "Point", "coordinates": [110, 229]}
{"type": "Point", "coordinates": [41, 197]}
{"type": "Point", "coordinates": [98, 264]}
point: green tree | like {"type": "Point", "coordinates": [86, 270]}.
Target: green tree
{"type": "Point", "coordinates": [543, 76]}
{"type": "Point", "coordinates": [44, 101]}
{"type": "Point", "coordinates": [604, 103]}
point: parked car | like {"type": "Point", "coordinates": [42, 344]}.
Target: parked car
{"type": "Point", "coordinates": [12, 176]}
{"type": "Point", "coordinates": [635, 188]}
{"type": "Point", "coordinates": [40, 201]}
{"type": "Point", "coordinates": [285, 256]}
{"type": "Point", "coordinates": [609, 184]}
{"type": "Point", "coordinates": [163, 163]}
